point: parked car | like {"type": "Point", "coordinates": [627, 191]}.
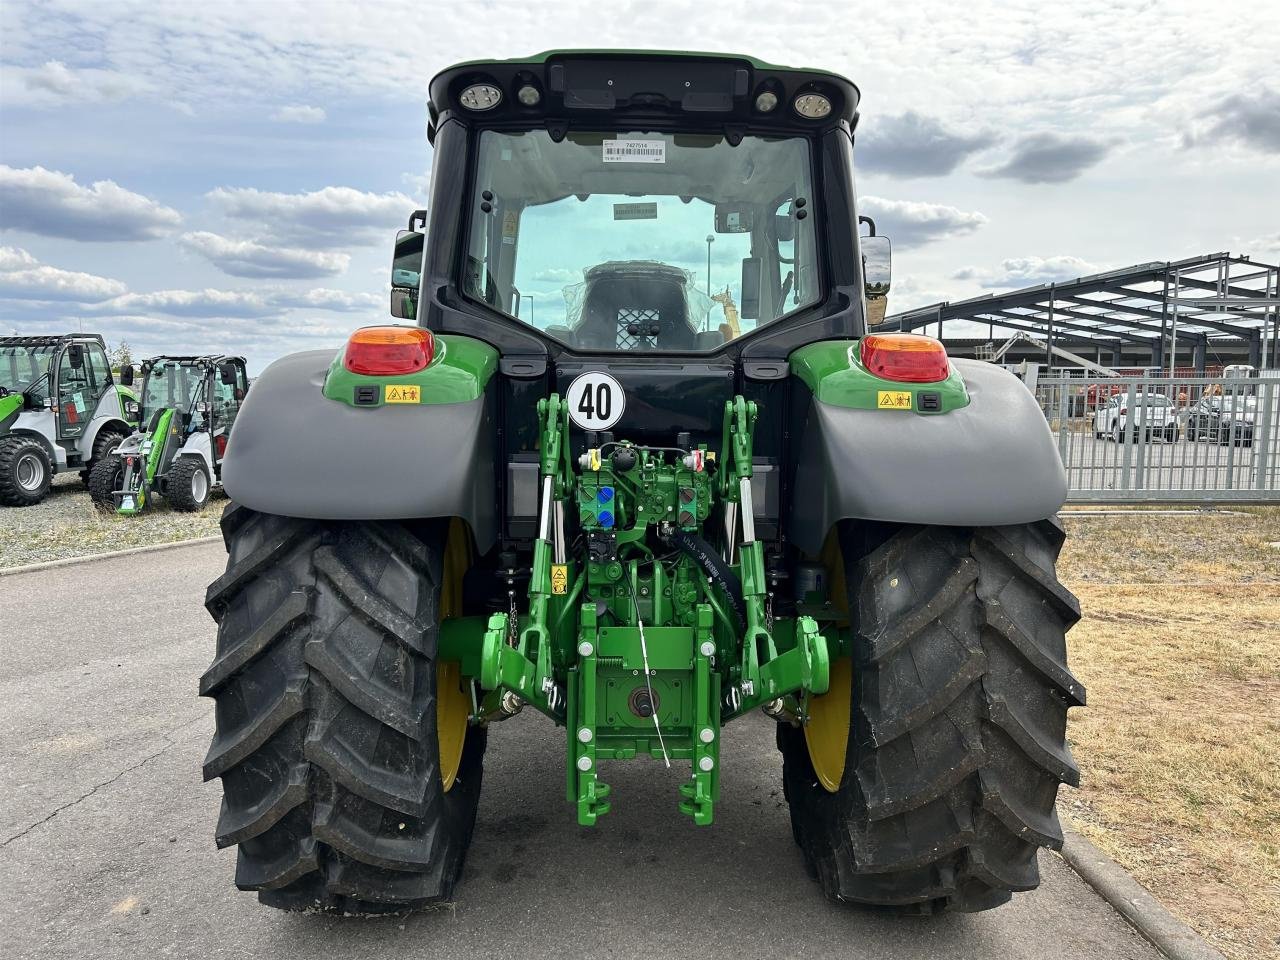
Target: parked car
{"type": "Point", "coordinates": [1223, 419]}
{"type": "Point", "coordinates": [1155, 417]}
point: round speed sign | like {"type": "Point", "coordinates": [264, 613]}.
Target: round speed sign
{"type": "Point", "coordinates": [595, 400]}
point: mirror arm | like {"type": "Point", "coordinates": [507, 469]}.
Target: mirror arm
{"type": "Point", "coordinates": [870, 223]}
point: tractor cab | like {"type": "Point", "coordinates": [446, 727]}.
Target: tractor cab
{"type": "Point", "coordinates": [60, 409]}
{"type": "Point", "coordinates": [188, 405]}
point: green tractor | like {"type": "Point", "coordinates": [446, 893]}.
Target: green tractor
{"type": "Point", "coordinates": [638, 517]}
{"type": "Point", "coordinates": [189, 405]}
{"type": "Point", "coordinates": [60, 409]}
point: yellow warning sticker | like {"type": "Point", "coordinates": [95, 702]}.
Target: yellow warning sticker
{"type": "Point", "coordinates": [402, 393]}
{"type": "Point", "coordinates": [559, 578]}
{"type": "Point", "coordinates": [893, 399]}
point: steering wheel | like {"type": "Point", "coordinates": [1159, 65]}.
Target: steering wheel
{"type": "Point", "coordinates": [4, 392]}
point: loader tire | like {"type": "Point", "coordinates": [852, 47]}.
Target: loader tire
{"type": "Point", "coordinates": [957, 726]}
{"type": "Point", "coordinates": [325, 720]}
{"type": "Point", "coordinates": [26, 472]}
{"type": "Point", "coordinates": [103, 444]}
{"type": "Point", "coordinates": [105, 479]}
{"type": "Point", "coordinates": [187, 488]}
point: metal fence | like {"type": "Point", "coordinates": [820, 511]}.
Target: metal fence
{"type": "Point", "coordinates": [1150, 438]}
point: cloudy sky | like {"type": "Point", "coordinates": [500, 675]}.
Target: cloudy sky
{"type": "Point", "coordinates": [228, 175]}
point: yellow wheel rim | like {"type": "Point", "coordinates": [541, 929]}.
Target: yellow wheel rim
{"type": "Point", "coordinates": [827, 732]}
{"type": "Point", "coordinates": [453, 699]}
{"type": "Point", "coordinates": [453, 709]}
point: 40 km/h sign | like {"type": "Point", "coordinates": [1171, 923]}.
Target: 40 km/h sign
{"type": "Point", "coordinates": [595, 400]}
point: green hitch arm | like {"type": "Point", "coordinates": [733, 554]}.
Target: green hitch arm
{"type": "Point", "coordinates": [805, 668]}
{"type": "Point", "coordinates": [526, 669]}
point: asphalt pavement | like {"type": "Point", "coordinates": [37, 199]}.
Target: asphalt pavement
{"type": "Point", "coordinates": [106, 830]}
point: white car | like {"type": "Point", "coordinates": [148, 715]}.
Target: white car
{"type": "Point", "coordinates": [1154, 416]}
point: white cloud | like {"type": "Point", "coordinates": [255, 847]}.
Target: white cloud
{"type": "Point", "coordinates": [248, 258]}
{"type": "Point", "coordinates": [22, 277]}
{"type": "Point", "coordinates": [910, 223]}
{"type": "Point", "coordinates": [332, 216]}
{"type": "Point", "coordinates": [54, 83]}
{"type": "Point", "coordinates": [558, 275]}
{"type": "Point", "coordinates": [261, 302]}
{"type": "Point", "coordinates": [300, 114]}
{"type": "Point", "coordinates": [1029, 271]}
{"type": "Point", "coordinates": [52, 204]}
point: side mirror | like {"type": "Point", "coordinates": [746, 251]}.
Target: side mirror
{"type": "Point", "coordinates": [749, 305]}
{"type": "Point", "coordinates": [735, 217]}
{"type": "Point", "coordinates": [75, 356]}
{"type": "Point", "coordinates": [876, 260]}
{"type": "Point", "coordinates": [227, 373]}
{"type": "Point", "coordinates": [406, 270]}
{"type": "Point", "coordinates": [126, 375]}
{"type": "Point", "coordinates": [403, 306]}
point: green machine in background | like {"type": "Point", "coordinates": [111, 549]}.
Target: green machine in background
{"type": "Point", "coordinates": [188, 407]}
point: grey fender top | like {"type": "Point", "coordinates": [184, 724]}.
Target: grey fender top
{"type": "Point", "coordinates": [993, 462]}
{"type": "Point", "coordinates": [294, 452]}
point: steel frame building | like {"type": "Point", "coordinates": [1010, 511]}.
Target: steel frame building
{"type": "Point", "coordinates": [1169, 315]}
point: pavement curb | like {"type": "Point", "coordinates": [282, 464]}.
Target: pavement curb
{"type": "Point", "coordinates": [109, 555]}
{"type": "Point", "coordinates": [1131, 900]}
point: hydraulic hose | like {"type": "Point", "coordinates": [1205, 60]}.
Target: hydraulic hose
{"type": "Point", "coordinates": [717, 570]}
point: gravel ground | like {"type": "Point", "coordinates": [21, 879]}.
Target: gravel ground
{"type": "Point", "coordinates": [66, 524]}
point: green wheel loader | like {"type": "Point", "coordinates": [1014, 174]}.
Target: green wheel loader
{"type": "Point", "coordinates": [189, 405]}
{"type": "Point", "coordinates": [571, 481]}
{"type": "Point", "coordinates": [60, 409]}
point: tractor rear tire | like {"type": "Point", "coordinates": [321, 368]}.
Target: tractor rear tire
{"type": "Point", "coordinates": [187, 487]}
{"type": "Point", "coordinates": [103, 444]}
{"type": "Point", "coordinates": [26, 473]}
{"type": "Point", "coordinates": [105, 479]}
{"type": "Point", "coordinates": [957, 727]}
{"type": "Point", "coordinates": [326, 715]}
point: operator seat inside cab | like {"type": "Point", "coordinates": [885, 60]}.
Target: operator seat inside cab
{"type": "Point", "coordinates": [638, 305]}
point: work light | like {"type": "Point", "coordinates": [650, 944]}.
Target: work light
{"type": "Point", "coordinates": [812, 106]}
{"type": "Point", "coordinates": [480, 96]}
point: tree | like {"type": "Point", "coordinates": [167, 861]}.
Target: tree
{"type": "Point", "coordinates": [121, 355]}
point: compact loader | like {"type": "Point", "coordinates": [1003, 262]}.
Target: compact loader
{"type": "Point", "coordinates": [568, 481]}
{"type": "Point", "coordinates": [189, 405]}
{"type": "Point", "coordinates": [60, 409]}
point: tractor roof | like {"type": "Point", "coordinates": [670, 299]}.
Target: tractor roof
{"type": "Point", "coordinates": [684, 88]}
{"type": "Point", "coordinates": [192, 359]}
{"type": "Point", "coordinates": [54, 340]}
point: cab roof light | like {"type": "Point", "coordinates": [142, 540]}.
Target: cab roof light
{"type": "Point", "coordinates": [389, 350]}
{"type": "Point", "coordinates": [811, 105]}
{"type": "Point", "coordinates": [905, 357]}
{"type": "Point", "coordinates": [480, 96]}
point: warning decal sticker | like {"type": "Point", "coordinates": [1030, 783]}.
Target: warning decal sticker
{"type": "Point", "coordinates": [559, 579]}
{"type": "Point", "coordinates": [402, 393]}
{"type": "Point", "coordinates": [893, 399]}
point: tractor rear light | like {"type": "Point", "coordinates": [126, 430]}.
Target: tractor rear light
{"type": "Point", "coordinates": [906, 357]}
{"type": "Point", "coordinates": [389, 350]}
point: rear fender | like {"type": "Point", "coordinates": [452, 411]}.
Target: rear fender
{"type": "Point", "coordinates": [315, 440]}
{"type": "Point", "coordinates": [987, 458]}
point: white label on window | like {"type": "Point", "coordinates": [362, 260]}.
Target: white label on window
{"type": "Point", "coordinates": [635, 151]}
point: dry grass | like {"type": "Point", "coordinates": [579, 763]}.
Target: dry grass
{"type": "Point", "coordinates": [1180, 744]}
